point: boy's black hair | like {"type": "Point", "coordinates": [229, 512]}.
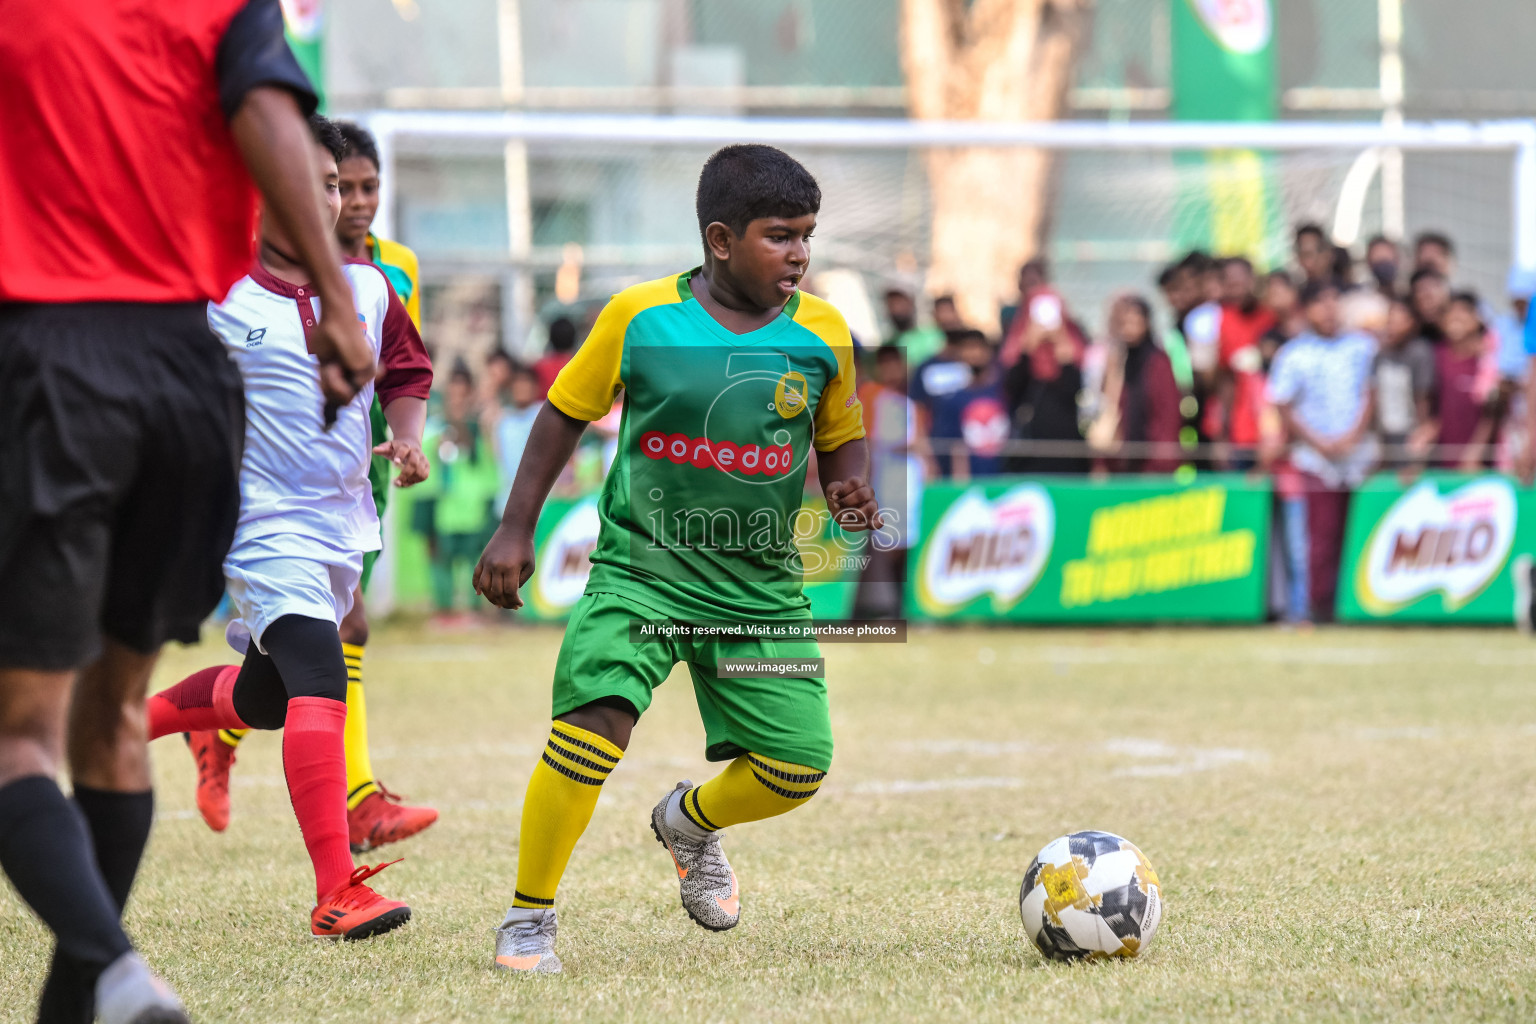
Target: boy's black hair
{"type": "Point", "coordinates": [562, 334]}
{"type": "Point", "coordinates": [1467, 297]}
{"type": "Point", "coordinates": [1314, 290]}
{"type": "Point", "coordinates": [1196, 262]}
{"type": "Point", "coordinates": [326, 133]}
{"type": "Point", "coordinates": [360, 142]}
{"type": "Point", "coordinates": [500, 355]}
{"type": "Point", "coordinates": [1280, 275]}
{"type": "Point", "coordinates": [1235, 261]}
{"type": "Point", "coordinates": [1379, 239]}
{"type": "Point", "coordinates": [742, 183]}
{"type": "Point", "coordinates": [960, 337]}
{"type": "Point", "coordinates": [1423, 273]}
{"type": "Point", "coordinates": [1310, 228]}
{"type": "Point", "coordinates": [1436, 238]}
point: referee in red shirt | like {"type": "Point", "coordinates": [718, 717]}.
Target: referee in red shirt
{"type": "Point", "coordinates": [134, 139]}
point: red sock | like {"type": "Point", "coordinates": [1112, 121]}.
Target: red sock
{"type": "Point", "coordinates": [316, 767]}
{"type": "Point", "coordinates": [204, 700]}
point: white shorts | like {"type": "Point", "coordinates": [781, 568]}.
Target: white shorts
{"type": "Point", "coordinates": [264, 586]}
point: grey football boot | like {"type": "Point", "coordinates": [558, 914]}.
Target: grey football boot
{"type": "Point", "coordinates": [525, 942]}
{"type": "Point", "coordinates": [708, 886]}
{"type": "Point", "coordinates": [128, 992]}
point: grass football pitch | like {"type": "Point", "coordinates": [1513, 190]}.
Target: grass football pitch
{"type": "Point", "coordinates": [1344, 823]}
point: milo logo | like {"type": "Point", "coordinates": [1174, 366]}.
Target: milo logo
{"type": "Point", "coordinates": [1240, 26]}
{"type": "Point", "coordinates": [981, 546]}
{"type": "Point", "coordinates": [1454, 544]}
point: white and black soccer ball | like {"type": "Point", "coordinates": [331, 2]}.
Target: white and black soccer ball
{"type": "Point", "coordinates": [1091, 895]}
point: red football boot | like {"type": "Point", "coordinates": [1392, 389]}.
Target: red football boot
{"type": "Point", "coordinates": [353, 911]}
{"type": "Point", "coordinates": [381, 818]}
{"type": "Point", "coordinates": [214, 758]}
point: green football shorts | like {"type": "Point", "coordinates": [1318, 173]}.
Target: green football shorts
{"type": "Point", "coordinates": [785, 718]}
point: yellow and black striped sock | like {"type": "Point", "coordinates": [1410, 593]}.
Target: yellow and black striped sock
{"type": "Point", "coordinates": [561, 797]}
{"type": "Point", "coordinates": [233, 736]}
{"type": "Point", "coordinates": [354, 737]}
{"type": "Point", "coordinates": [751, 788]}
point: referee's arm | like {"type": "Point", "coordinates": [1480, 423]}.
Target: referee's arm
{"type": "Point", "coordinates": [266, 98]}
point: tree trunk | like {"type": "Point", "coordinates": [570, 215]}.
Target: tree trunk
{"type": "Point", "coordinates": [999, 60]}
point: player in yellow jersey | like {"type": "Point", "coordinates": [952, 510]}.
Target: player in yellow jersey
{"type": "Point", "coordinates": [375, 816]}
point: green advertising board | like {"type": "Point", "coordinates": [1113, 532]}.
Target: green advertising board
{"type": "Point", "coordinates": [1125, 549]}
{"type": "Point", "coordinates": [1224, 69]}
{"type": "Point", "coordinates": [1440, 549]}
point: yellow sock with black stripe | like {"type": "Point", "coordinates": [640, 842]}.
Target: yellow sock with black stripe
{"type": "Point", "coordinates": [354, 737]}
{"type": "Point", "coordinates": [232, 737]}
{"type": "Point", "coordinates": [751, 788]}
{"type": "Point", "coordinates": [561, 797]}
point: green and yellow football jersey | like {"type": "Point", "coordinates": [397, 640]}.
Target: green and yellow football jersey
{"type": "Point", "coordinates": [700, 511]}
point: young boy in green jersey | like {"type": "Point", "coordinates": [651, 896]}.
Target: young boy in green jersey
{"type": "Point", "coordinates": [731, 376]}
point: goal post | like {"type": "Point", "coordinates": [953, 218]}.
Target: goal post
{"type": "Point", "coordinates": [1517, 138]}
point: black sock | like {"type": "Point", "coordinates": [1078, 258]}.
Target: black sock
{"type": "Point", "coordinates": [46, 850]}
{"type": "Point", "coordinates": [119, 824]}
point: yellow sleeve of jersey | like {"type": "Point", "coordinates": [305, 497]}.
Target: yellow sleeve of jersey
{"type": "Point", "coordinates": [412, 268]}
{"type": "Point", "coordinates": [403, 258]}
{"type": "Point", "coordinates": [587, 385]}
{"type": "Point", "coordinates": [839, 414]}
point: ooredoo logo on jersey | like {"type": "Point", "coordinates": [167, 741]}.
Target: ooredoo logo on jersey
{"type": "Point", "coordinates": [726, 456]}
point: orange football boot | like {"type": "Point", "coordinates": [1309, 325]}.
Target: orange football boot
{"type": "Point", "coordinates": [353, 911]}
{"type": "Point", "coordinates": [381, 818]}
{"type": "Point", "coordinates": [214, 758]}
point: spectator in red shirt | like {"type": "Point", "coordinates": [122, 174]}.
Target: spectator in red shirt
{"type": "Point", "coordinates": [136, 136]}
{"type": "Point", "coordinates": [562, 345]}
{"type": "Point", "coordinates": [1465, 413]}
{"type": "Point", "coordinates": [1240, 362]}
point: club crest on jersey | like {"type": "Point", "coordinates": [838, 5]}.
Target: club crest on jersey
{"type": "Point", "coordinates": [253, 339]}
{"type": "Point", "coordinates": [789, 397]}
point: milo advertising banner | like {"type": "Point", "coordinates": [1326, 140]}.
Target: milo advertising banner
{"type": "Point", "coordinates": [1436, 551]}
{"type": "Point", "coordinates": [563, 544]}
{"type": "Point", "coordinates": [1128, 549]}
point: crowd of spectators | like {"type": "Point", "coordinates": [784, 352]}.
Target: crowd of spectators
{"type": "Point", "coordinates": [476, 432]}
{"type": "Point", "coordinates": [1318, 375]}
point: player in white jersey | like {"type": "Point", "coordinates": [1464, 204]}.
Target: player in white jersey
{"type": "Point", "coordinates": [306, 518]}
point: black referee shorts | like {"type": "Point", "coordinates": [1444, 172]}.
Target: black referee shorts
{"type": "Point", "coordinates": [121, 429]}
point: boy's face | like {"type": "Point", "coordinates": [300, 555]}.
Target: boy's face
{"type": "Point", "coordinates": [1183, 292]}
{"type": "Point", "coordinates": [1314, 256]}
{"type": "Point", "coordinates": [524, 390]}
{"type": "Point", "coordinates": [1401, 324]}
{"type": "Point", "coordinates": [1323, 313]}
{"type": "Point", "coordinates": [1236, 284]}
{"type": "Point", "coordinates": [1430, 296]}
{"type": "Point", "coordinates": [359, 182]}
{"type": "Point", "coordinates": [1280, 297]}
{"type": "Point", "coordinates": [768, 260]}
{"type": "Point", "coordinates": [976, 353]}
{"type": "Point", "coordinates": [1460, 322]}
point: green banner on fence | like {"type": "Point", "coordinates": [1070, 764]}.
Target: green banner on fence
{"type": "Point", "coordinates": [1128, 549]}
{"type": "Point", "coordinates": [1438, 550]}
